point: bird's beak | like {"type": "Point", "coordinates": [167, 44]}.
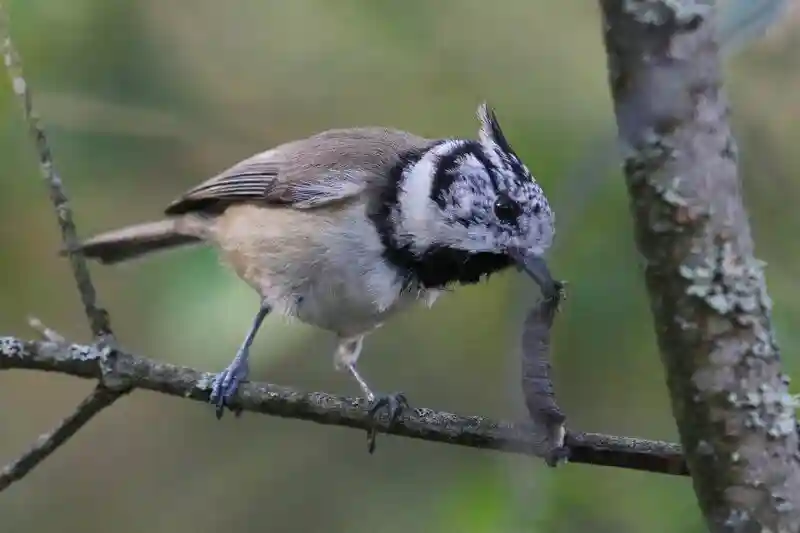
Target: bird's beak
{"type": "Point", "coordinates": [536, 267]}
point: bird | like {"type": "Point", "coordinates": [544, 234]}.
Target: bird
{"type": "Point", "coordinates": [346, 227]}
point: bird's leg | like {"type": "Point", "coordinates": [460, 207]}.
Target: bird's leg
{"type": "Point", "coordinates": [345, 358]}
{"type": "Point", "coordinates": [227, 381]}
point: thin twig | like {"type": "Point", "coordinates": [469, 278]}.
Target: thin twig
{"type": "Point", "coordinates": [86, 361]}
{"type": "Point", "coordinates": [98, 400]}
{"type": "Point", "coordinates": [98, 317]}
{"type": "Point", "coordinates": [108, 390]}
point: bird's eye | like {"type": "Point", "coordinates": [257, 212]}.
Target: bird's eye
{"type": "Point", "coordinates": [537, 209]}
{"type": "Point", "coordinates": [506, 209]}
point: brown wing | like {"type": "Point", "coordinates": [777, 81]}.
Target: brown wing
{"type": "Point", "coordinates": [321, 169]}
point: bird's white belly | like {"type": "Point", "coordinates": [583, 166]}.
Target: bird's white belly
{"type": "Point", "coordinates": [352, 308]}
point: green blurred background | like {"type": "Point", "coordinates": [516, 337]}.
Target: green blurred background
{"type": "Point", "coordinates": [144, 98]}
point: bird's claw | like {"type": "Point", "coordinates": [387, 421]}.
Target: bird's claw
{"type": "Point", "coordinates": [394, 403]}
{"type": "Point", "coordinates": [225, 385]}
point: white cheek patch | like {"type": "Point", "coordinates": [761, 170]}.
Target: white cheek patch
{"type": "Point", "coordinates": [417, 210]}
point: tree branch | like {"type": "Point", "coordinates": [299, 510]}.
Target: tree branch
{"type": "Point", "coordinates": [108, 389]}
{"type": "Point", "coordinates": [707, 291]}
{"type": "Point", "coordinates": [87, 361]}
{"type": "Point", "coordinates": [99, 399]}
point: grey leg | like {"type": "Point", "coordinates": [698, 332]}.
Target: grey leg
{"type": "Point", "coordinates": [361, 383]}
{"type": "Point", "coordinates": [227, 381]}
{"type": "Point", "coordinates": [345, 358]}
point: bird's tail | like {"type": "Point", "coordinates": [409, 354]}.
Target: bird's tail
{"type": "Point", "coordinates": [134, 241]}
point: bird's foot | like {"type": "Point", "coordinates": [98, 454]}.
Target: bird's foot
{"type": "Point", "coordinates": [394, 404]}
{"type": "Point", "coordinates": [226, 384]}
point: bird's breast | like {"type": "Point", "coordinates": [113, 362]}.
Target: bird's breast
{"type": "Point", "coordinates": [324, 266]}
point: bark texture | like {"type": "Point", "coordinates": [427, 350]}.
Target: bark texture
{"type": "Point", "coordinates": [707, 291]}
{"type": "Point", "coordinates": [92, 362]}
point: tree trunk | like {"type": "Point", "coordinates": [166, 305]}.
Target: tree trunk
{"type": "Point", "coordinates": [707, 291]}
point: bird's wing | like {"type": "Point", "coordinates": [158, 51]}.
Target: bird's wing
{"type": "Point", "coordinates": [327, 167]}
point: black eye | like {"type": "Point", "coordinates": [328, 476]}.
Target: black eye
{"type": "Point", "coordinates": [506, 209]}
{"type": "Point", "coordinates": [537, 208]}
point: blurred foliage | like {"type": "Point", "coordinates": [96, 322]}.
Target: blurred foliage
{"type": "Point", "coordinates": [142, 99]}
